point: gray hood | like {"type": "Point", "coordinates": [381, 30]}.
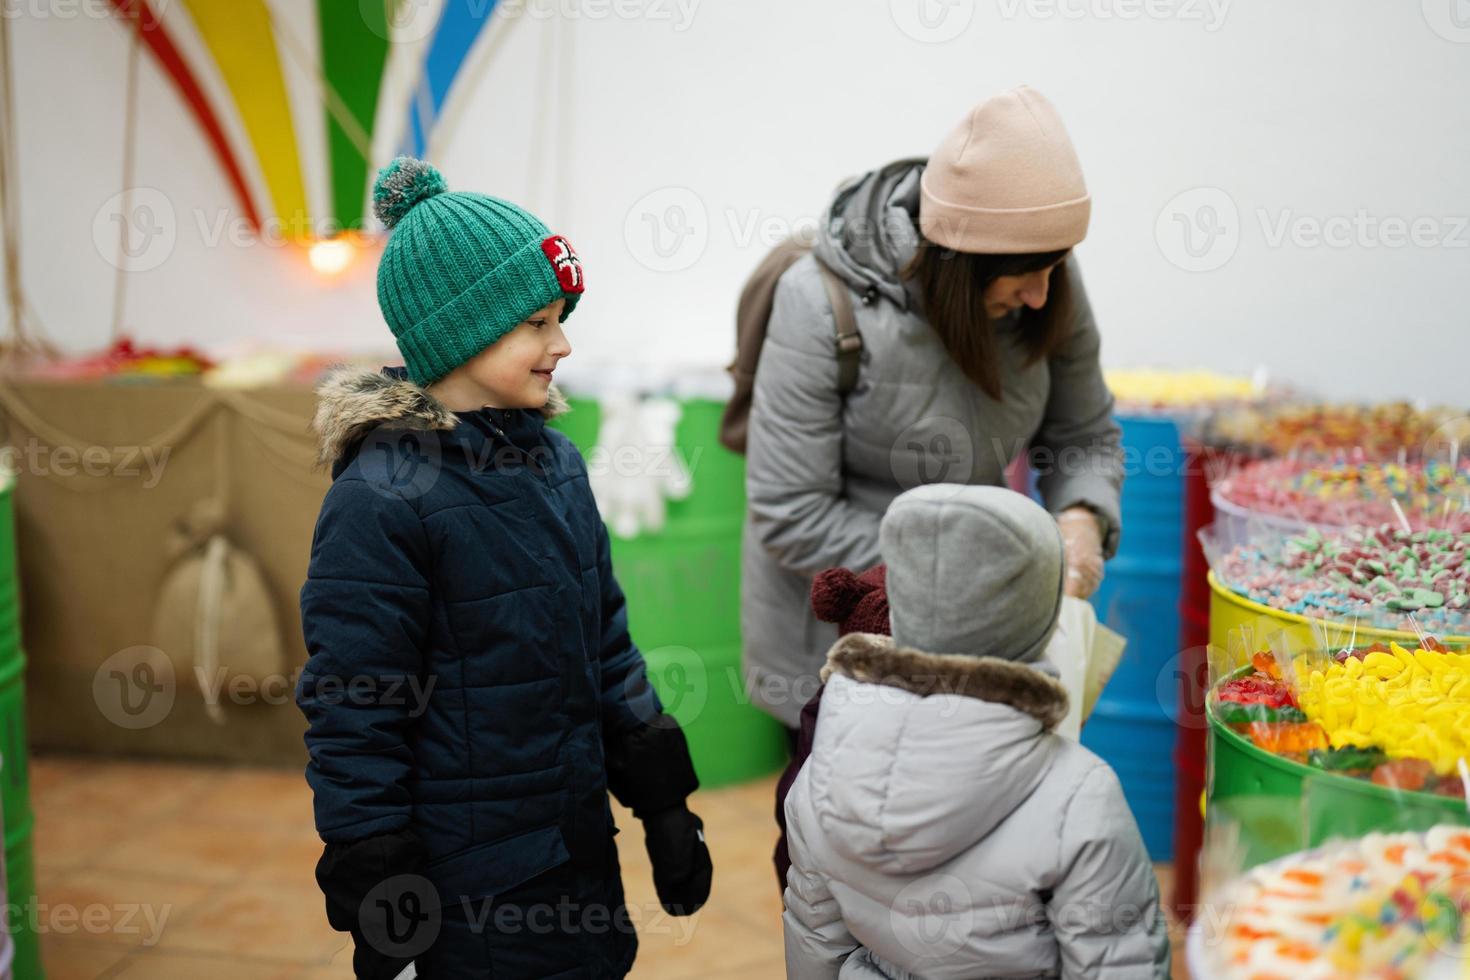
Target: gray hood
{"type": "Point", "coordinates": [943, 749]}
{"type": "Point", "coordinates": [974, 570]}
{"type": "Point", "coordinates": [871, 230]}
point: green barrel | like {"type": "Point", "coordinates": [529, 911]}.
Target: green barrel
{"type": "Point", "coordinates": [15, 796]}
{"type": "Point", "coordinates": [1279, 806]}
{"type": "Point", "coordinates": [683, 588]}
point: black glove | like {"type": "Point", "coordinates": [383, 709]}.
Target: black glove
{"type": "Point", "coordinates": [681, 864]}
{"type": "Point", "coordinates": [348, 873]}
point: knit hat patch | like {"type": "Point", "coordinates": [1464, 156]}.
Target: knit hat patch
{"type": "Point", "coordinates": [565, 262]}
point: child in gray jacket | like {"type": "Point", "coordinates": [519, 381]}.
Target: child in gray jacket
{"type": "Point", "coordinates": [941, 829]}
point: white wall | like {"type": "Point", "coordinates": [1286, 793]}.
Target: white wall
{"type": "Point", "coordinates": [746, 111]}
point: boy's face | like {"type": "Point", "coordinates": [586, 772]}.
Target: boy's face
{"type": "Point", "coordinates": [515, 371]}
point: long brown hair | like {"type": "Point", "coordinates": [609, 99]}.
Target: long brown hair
{"type": "Point", "coordinates": [952, 285]}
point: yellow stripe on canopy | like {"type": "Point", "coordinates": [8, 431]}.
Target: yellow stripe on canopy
{"type": "Point", "coordinates": [239, 35]}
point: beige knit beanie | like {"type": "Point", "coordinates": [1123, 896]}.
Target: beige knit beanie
{"type": "Point", "coordinates": [1006, 181]}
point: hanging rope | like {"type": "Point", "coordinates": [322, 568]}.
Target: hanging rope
{"type": "Point", "coordinates": [130, 142]}
{"type": "Point", "coordinates": [274, 418]}
{"type": "Point", "coordinates": [352, 127]}
{"type": "Point", "coordinates": [171, 438]}
{"type": "Point", "coordinates": [21, 339]}
{"type": "Point", "coordinates": [207, 623]}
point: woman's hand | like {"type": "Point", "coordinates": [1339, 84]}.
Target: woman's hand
{"type": "Point", "coordinates": [1082, 538]}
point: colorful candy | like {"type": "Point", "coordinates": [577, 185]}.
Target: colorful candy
{"type": "Point", "coordinates": [1256, 690]}
{"type": "Point", "coordinates": [1349, 761]}
{"type": "Point", "coordinates": [1387, 906]}
{"type": "Point", "coordinates": [1405, 774]}
{"type": "Point", "coordinates": [1162, 389]}
{"type": "Point", "coordinates": [1287, 738]}
{"type": "Point", "coordinates": [1386, 431]}
{"type": "Point", "coordinates": [1249, 713]}
{"type": "Point", "coordinates": [1378, 577]}
{"type": "Point", "coordinates": [1397, 717]}
{"type": "Point", "coordinates": [1415, 706]}
{"type": "Point", "coordinates": [1434, 494]}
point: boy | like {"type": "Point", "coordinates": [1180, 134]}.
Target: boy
{"type": "Point", "coordinates": [472, 693]}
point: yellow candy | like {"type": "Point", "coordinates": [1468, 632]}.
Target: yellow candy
{"type": "Point", "coordinates": [1410, 703]}
{"type": "Point", "coordinates": [1385, 665]}
{"type": "Point", "coordinates": [1404, 656]}
{"type": "Point", "coordinates": [1429, 661]}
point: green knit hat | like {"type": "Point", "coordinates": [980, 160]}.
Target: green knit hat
{"type": "Point", "coordinates": [460, 270]}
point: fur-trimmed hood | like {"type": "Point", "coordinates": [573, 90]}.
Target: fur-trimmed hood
{"type": "Point", "coordinates": [351, 402]}
{"type": "Point", "coordinates": [920, 755]}
{"type": "Point", "coordinates": [870, 658]}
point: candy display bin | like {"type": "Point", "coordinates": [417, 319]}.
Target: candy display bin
{"type": "Point", "coordinates": [1238, 623]}
{"type": "Point", "coordinates": [682, 584]}
{"type": "Point", "coordinates": [1280, 806]}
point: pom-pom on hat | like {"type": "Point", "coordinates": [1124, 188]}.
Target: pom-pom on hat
{"type": "Point", "coordinates": [460, 270]}
{"type": "Point", "coordinates": [856, 603]}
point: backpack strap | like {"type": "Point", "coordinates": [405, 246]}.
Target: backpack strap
{"type": "Point", "coordinates": [848, 341]}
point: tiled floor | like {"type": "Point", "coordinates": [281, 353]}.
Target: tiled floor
{"type": "Point", "coordinates": [220, 862]}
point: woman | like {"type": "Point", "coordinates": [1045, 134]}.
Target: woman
{"type": "Point", "coordinates": [978, 346]}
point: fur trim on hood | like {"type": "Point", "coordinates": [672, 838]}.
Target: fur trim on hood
{"type": "Point", "coordinates": [872, 659]}
{"type": "Point", "coordinates": [353, 401]}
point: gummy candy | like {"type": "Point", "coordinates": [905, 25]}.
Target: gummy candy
{"type": "Point", "coordinates": [1256, 689]}
{"type": "Point", "coordinates": [1287, 737]}
{"type": "Point", "coordinates": [1348, 760]}
{"type": "Point", "coordinates": [1406, 774]}
{"type": "Point", "coordinates": [1248, 712]}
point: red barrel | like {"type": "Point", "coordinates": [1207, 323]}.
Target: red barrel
{"type": "Point", "coordinates": [1203, 465]}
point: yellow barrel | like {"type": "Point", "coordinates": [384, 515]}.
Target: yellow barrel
{"type": "Point", "coordinates": [1242, 626]}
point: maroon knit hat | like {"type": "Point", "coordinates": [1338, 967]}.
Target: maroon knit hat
{"type": "Point", "coordinates": [856, 603]}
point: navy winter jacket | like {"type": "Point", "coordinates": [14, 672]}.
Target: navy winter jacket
{"type": "Point", "coordinates": [470, 672]}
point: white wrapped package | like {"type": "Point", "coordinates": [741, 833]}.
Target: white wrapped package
{"type": "Point", "coordinates": [1084, 653]}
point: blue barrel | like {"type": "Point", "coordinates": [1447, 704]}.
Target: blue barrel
{"type": "Point", "coordinates": [1132, 726]}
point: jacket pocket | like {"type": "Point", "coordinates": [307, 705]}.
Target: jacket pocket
{"type": "Point", "coordinates": [486, 870]}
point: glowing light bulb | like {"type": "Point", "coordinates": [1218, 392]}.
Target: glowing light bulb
{"type": "Point", "coordinates": [331, 256]}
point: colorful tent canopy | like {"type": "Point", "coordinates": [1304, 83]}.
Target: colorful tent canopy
{"type": "Point", "coordinates": [233, 76]}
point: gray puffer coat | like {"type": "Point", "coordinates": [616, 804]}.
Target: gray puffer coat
{"type": "Point", "coordinates": [940, 830]}
{"type": "Point", "coordinates": [821, 470]}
